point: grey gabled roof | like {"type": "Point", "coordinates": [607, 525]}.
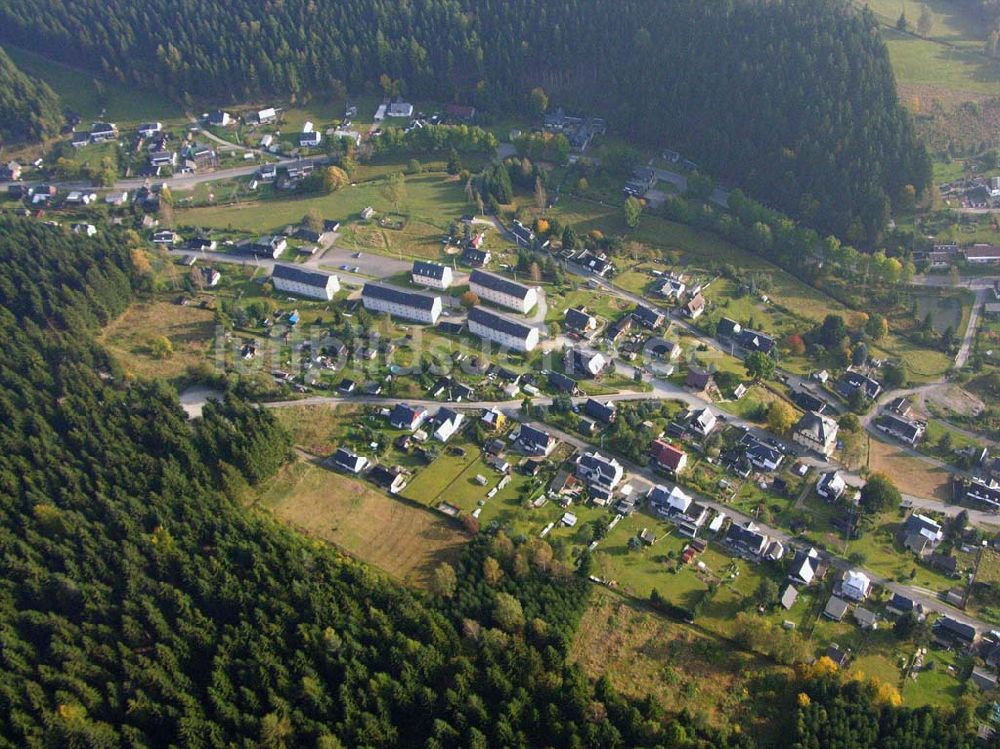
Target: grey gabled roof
{"type": "Point", "coordinates": [531, 436]}
{"type": "Point", "coordinates": [499, 322]}
{"type": "Point", "coordinates": [603, 411]}
{"type": "Point", "coordinates": [648, 315]}
{"type": "Point", "coordinates": [300, 275]}
{"type": "Point", "coordinates": [499, 283]}
{"type": "Point", "coordinates": [428, 270]}
{"type": "Point", "coordinates": [398, 296]}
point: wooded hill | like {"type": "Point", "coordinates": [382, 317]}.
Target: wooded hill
{"type": "Point", "coordinates": [793, 100]}
{"type": "Point", "coordinates": [29, 110]}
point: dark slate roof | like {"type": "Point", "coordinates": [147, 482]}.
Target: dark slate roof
{"type": "Point", "coordinates": [605, 467]}
{"type": "Point", "coordinates": [346, 459]}
{"type": "Point", "coordinates": [403, 414]}
{"type": "Point", "coordinates": [746, 538]}
{"type": "Point", "coordinates": [499, 283]}
{"type": "Point", "coordinates": [762, 453]}
{"type": "Point", "coordinates": [648, 316]}
{"type": "Point", "coordinates": [561, 382]}
{"type": "Point", "coordinates": [808, 402]}
{"type": "Point", "coordinates": [853, 380]}
{"type": "Point", "coordinates": [300, 275]}
{"type": "Point", "coordinates": [522, 232]}
{"type": "Point", "coordinates": [754, 340]}
{"type": "Point", "coordinates": [902, 603]}
{"type": "Point", "coordinates": [726, 327]}
{"type": "Point", "coordinates": [533, 437]}
{"type": "Point", "coordinates": [428, 270]}
{"type": "Point", "coordinates": [601, 411]}
{"type": "Point", "coordinates": [475, 257]}
{"type": "Point", "coordinates": [956, 628]}
{"type": "Point", "coordinates": [577, 319]}
{"type": "Point", "coordinates": [309, 235]}
{"type": "Point", "coordinates": [384, 476]}
{"type": "Point", "coordinates": [899, 425]}
{"type": "Point", "coordinates": [499, 322]}
{"type": "Point", "coordinates": [398, 296]}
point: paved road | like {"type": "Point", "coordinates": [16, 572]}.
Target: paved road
{"type": "Point", "coordinates": [719, 196]}
{"type": "Point", "coordinates": [970, 332]}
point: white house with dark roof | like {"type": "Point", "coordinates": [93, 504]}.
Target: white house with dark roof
{"type": "Point", "coordinates": [803, 567]}
{"type": "Point", "coordinates": [410, 305]}
{"type": "Point", "coordinates": [816, 432]}
{"type": "Point", "coordinates": [292, 279]}
{"type": "Point", "coordinates": [578, 320]}
{"type": "Point", "coordinates": [596, 469]}
{"type": "Point", "coordinates": [501, 329]}
{"type": "Point", "coordinates": [903, 429]}
{"type": "Point", "coordinates": [448, 422]}
{"type": "Point", "coordinates": [831, 485]}
{"type": "Point", "coordinates": [400, 109]}
{"type": "Point", "coordinates": [502, 291]}
{"type": "Point", "coordinates": [534, 441]}
{"type": "Point", "coordinates": [347, 461]}
{"type": "Point", "coordinates": [856, 585]}
{"type": "Point", "coordinates": [435, 275]}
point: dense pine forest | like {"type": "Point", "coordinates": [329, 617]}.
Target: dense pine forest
{"type": "Point", "coordinates": [794, 100]}
{"type": "Point", "coordinates": [29, 110]}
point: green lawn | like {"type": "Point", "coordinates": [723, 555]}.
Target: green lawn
{"type": "Point", "coordinates": [432, 201]}
{"type": "Point", "coordinates": [87, 95]}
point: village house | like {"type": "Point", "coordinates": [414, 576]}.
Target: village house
{"type": "Point", "coordinates": [701, 421]}
{"type": "Point", "coordinates": [949, 632]}
{"type": "Point", "coordinates": [763, 457]}
{"type": "Point", "coordinates": [524, 236]}
{"type": "Point", "coordinates": [405, 416]}
{"type": "Point", "coordinates": [605, 413]}
{"type": "Point", "coordinates": [901, 605]}
{"type": "Point", "coordinates": [903, 429]}
{"type": "Point", "coordinates": [727, 328]}
{"type": "Point", "coordinates": [753, 340]}
{"type": "Point", "coordinates": [788, 597]}
{"type": "Point", "coordinates": [393, 479]}
{"type": "Point", "coordinates": [101, 132]}
{"type": "Point", "coordinates": [648, 317]}
{"type": "Point", "coordinates": [81, 197]}
{"type": "Point", "coordinates": [561, 382]}
{"type": "Point", "coordinates": [435, 275]}
{"type": "Point", "coordinates": [831, 485]}
{"type": "Point", "coordinates": [695, 307]}
{"type": "Point", "coordinates": [399, 109]}
{"type": "Point", "coordinates": [667, 456]}
{"type": "Point", "coordinates": [448, 422]}
{"type": "Point", "coordinates": [349, 462]}
{"type": "Point", "coordinates": [578, 321]}
{"type": "Point", "coordinates": [210, 277]}
{"type": "Point", "coordinates": [599, 471]}
{"type": "Point", "coordinates": [265, 116]}
{"type": "Point", "coordinates": [293, 279]}
{"type": "Point", "coordinates": [855, 585]}
{"type": "Point", "coordinates": [410, 305]}
{"type": "Point", "coordinates": [851, 381]}
{"type": "Point", "coordinates": [501, 329]}
{"type": "Point", "coordinates": [88, 230]}
{"type": "Point", "coordinates": [534, 441]}
{"type": "Point", "coordinates": [218, 118]}
{"type": "Point", "coordinates": [867, 620]}
{"type": "Point", "coordinates": [503, 292]}
{"type": "Point", "coordinates": [673, 288]}
{"type": "Point", "coordinates": [493, 419]}
{"type": "Point", "coordinates": [165, 236]}
{"type": "Point", "coordinates": [981, 254]}
{"type": "Point", "coordinates": [836, 609]}
{"type": "Point", "coordinates": [804, 566]}
{"type": "Point", "coordinates": [816, 432]}
{"type": "Point", "coordinates": [921, 535]}
{"type": "Point", "coordinates": [475, 257]}
{"type": "Point", "coordinates": [699, 380]}
{"type": "Point", "coordinates": [149, 129]}
{"type": "Point", "coordinates": [584, 364]}
{"type": "Point", "coordinates": [10, 172]}
{"type": "Point", "coordinates": [747, 540]}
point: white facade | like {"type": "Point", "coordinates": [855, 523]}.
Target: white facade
{"type": "Point", "coordinates": [511, 301]}
{"type": "Point", "coordinates": [513, 335]}
{"type": "Point", "coordinates": [305, 288]}
{"type": "Point", "coordinates": [447, 278]}
{"type": "Point", "coordinates": [401, 308]}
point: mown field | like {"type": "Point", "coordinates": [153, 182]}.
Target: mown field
{"type": "Point", "coordinates": [405, 541]}
{"type": "Point", "coordinates": [431, 203]}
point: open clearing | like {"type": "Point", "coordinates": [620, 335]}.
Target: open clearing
{"type": "Point", "coordinates": [912, 475]}
{"type": "Point", "coordinates": [189, 328]}
{"type": "Point", "coordinates": [645, 654]}
{"type": "Point", "coordinates": [432, 202]}
{"type": "Point", "coordinates": [317, 429]}
{"type": "Point", "coordinates": [404, 541]}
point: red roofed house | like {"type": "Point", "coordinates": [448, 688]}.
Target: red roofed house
{"type": "Point", "coordinates": [668, 456]}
